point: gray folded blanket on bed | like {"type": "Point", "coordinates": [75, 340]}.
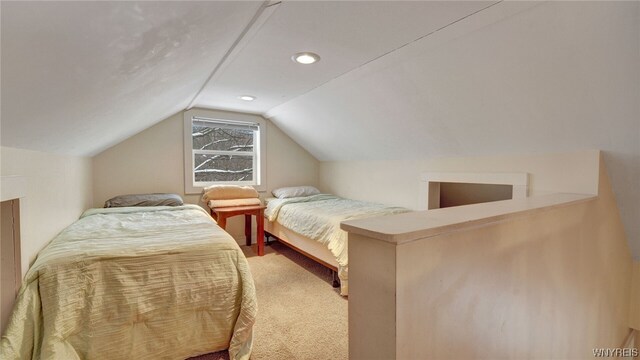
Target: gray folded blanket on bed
{"type": "Point", "coordinates": [144, 200]}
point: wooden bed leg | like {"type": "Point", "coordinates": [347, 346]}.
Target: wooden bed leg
{"type": "Point", "coordinates": [247, 228]}
{"type": "Point", "coordinates": [336, 279]}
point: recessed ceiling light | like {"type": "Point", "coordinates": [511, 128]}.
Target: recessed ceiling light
{"type": "Point", "coordinates": [305, 58]}
{"type": "Point", "coordinates": [246, 97]}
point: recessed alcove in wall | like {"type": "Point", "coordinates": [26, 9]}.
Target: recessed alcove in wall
{"type": "Point", "coordinates": [440, 189]}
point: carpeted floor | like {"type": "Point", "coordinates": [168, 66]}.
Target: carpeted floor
{"type": "Point", "coordinates": [300, 316]}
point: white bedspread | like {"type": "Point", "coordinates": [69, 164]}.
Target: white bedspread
{"type": "Point", "coordinates": [318, 217]}
{"type": "Point", "coordinates": [135, 283]}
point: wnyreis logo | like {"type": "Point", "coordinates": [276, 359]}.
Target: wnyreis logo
{"type": "Point", "coordinates": [616, 352]}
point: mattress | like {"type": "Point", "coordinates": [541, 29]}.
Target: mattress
{"type": "Point", "coordinates": [318, 217]}
{"type": "Point", "coordinates": [135, 283]}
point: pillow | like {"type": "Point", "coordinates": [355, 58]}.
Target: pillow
{"type": "Point", "coordinates": [295, 191]}
{"type": "Point", "coordinates": [226, 192]}
{"type": "Point", "coordinates": [144, 200]}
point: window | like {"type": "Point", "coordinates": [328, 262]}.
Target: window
{"type": "Point", "coordinates": [223, 148]}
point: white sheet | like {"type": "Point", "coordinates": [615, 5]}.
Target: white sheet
{"type": "Point", "coordinates": [319, 216]}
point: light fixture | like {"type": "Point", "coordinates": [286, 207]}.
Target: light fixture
{"type": "Point", "coordinates": [246, 97]}
{"type": "Point", "coordinates": [305, 58]}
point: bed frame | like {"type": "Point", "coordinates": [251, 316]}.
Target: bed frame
{"type": "Point", "coordinates": [304, 245]}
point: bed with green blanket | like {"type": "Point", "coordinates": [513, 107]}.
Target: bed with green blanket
{"type": "Point", "coordinates": [317, 218]}
{"type": "Point", "coordinates": [160, 282]}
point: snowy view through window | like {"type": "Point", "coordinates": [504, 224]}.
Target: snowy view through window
{"type": "Point", "coordinates": [223, 153]}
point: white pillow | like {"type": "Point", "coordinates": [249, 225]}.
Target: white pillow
{"type": "Point", "coordinates": [295, 191]}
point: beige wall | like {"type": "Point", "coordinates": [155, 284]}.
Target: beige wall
{"type": "Point", "coordinates": [397, 182]}
{"type": "Point", "coordinates": [635, 298]}
{"type": "Point", "coordinates": [152, 161]}
{"type": "Point", "coordinates": [59, 189]}
{"type": "Point", "coordinates": [551, 283]}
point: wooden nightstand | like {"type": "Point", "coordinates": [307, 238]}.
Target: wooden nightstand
{"type": "Point", "coordinates": [221, 214]}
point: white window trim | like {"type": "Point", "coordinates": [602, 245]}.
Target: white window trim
{"type": "Point", "coordinates": [261, 158]}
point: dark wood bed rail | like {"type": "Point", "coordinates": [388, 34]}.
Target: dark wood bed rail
{"type": "Point", "coordinates": [334, 270]}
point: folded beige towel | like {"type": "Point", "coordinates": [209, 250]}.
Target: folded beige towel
{"type": "Point", "coordinates": [233, 202]}
{"type": "Point", "coordinates": [225, 192]}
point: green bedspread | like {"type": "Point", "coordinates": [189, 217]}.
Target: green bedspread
{"type": "Point", "coordinates": [135, 283]}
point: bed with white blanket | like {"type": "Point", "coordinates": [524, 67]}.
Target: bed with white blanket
{"type": "Point", "coordinates": [311, 224]}
{"type": "Point", "coordinates": [161, 282]}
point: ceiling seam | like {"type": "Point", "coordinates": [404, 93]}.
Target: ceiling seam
{"type": "Point", "coordinates": [265, 4]}
{"type": "Point", "coordinates": [266, 113]}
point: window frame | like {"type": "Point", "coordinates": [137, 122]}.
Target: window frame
{"type": "Point", "coordinates": [259, 159]}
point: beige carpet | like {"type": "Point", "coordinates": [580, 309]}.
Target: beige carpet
{"type": "Point", "coordinates": [300, 316]}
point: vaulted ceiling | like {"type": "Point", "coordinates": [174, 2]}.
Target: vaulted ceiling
{"type": "Point", "coordinates": [395, 80]}
{"type": "Point", "coordinates": [78, 77]}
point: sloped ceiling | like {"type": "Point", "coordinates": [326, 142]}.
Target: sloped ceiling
{"type": "Point", "coordinates": [502, 81]}
{"type": "Point", "coordinates": [346, 34]}
{"type": "Point", "coordinates": [397, 80]}
{"type": "Point", "coordinates": [514, 78]}
{"type": "Point", "coordinates": [78, 77]}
